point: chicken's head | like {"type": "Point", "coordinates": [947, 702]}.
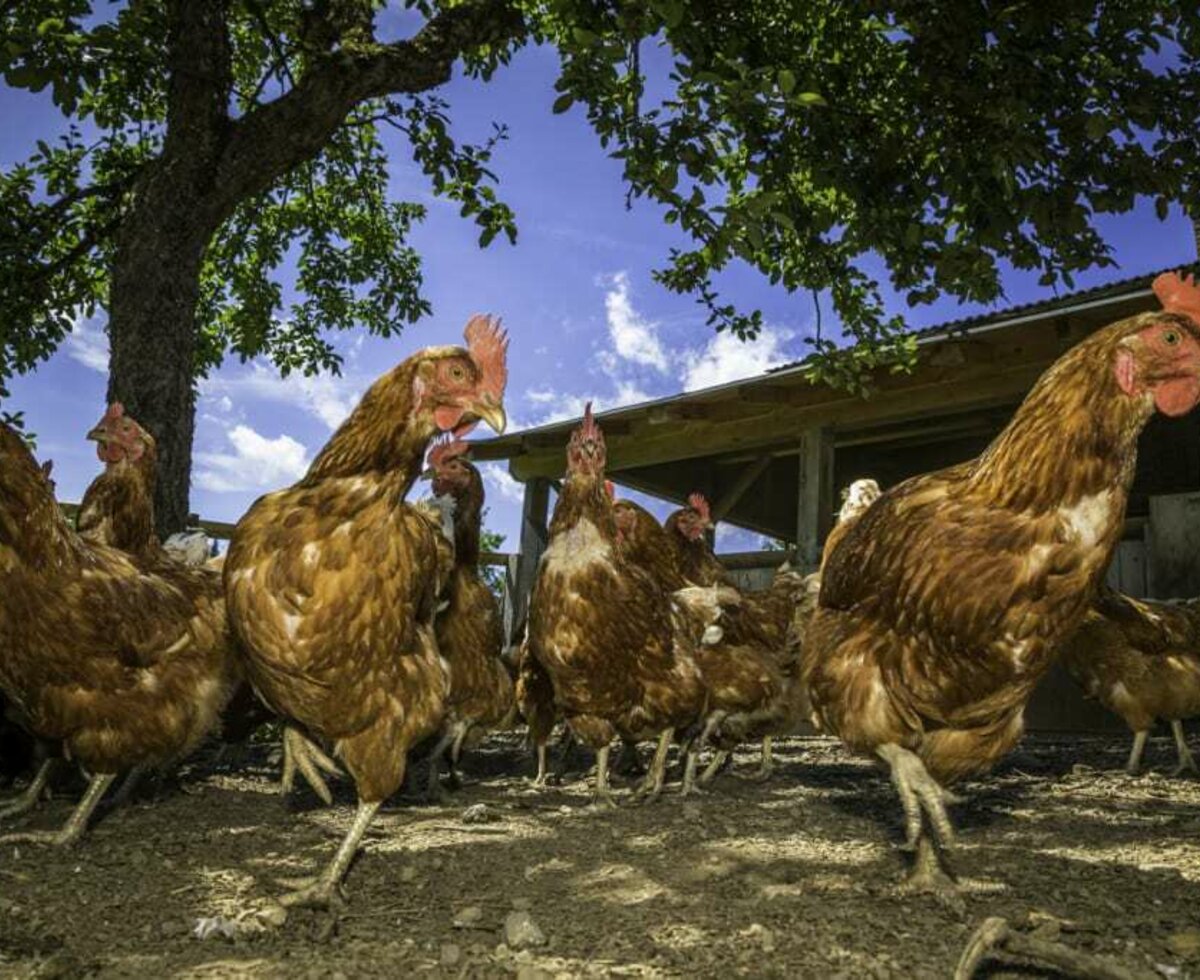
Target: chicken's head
{"type": "Point", "coordinates": [586, 453]}
{"type": "Point", "coordinates": [1160, 358]}
{"type": "Point", "coordinates": [449, 469]}
{"type": "Point", "coordinates": [118, 437]}
{"type": "Point", "coordinates": [457, 387]}
{"type": "Point", "coordinates": [694, 519]}
{"type": "Point", "coordinates": [857, 497]}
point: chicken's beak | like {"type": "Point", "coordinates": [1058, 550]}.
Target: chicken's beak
{"type": "Point", "coordinates": [492, 412]}
{"type": "Point", "coordinates": [427, 474]}
{"type": "Point", "coordinates": [98, 434]}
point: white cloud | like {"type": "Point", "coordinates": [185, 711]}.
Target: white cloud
{"type": "Point", "coordinates": [255, 463]}
{"type": "Point", "coordinates": [634, 338]}
{"type": "Point", "coordinates": [561, 405]}
{"type": "Point", "coordinates": [330, 398]}
{"type": "Point", "coordinates": [87, 343]}
{"type": "Point", "coordinates": [499, 481]}
{"type": "Point", "coordinates": [725, 358]}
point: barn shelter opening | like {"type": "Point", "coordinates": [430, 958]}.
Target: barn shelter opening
{"type": "Point", "coordinates": [771, 453]}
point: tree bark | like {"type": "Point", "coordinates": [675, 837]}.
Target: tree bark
{"type": "Point", "coordinates": [159, 251]}
{"type": "Point", "coordinates": [208, 166]}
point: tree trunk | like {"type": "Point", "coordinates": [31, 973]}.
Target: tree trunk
{"type": "Point", "coordinates": [152, 333]}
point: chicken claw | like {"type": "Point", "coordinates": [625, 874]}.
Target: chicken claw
{"type": "Point", "coordinates": [301, 754]}
{"type": "Point", "coordinates": [714, 767]}
{"type": "Point", "coordinates": [75, 826]}
{"type": "Point", "coordinates": [32, 793]}
{"type": "Point", "coordinates": [1186, 762]}
{"type": "Point", "coordinates": [767, 767]}
{"type": "Point", "coordinates": [652, 785]}
{"type": "Point", "coordinates": [326, 890]}
{"type": "Point", "coordinates": [602, 793]}
{"type": "Point", "coordinates": [920, 794]}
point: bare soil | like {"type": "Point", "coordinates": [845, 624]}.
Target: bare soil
{"type": "Point", "coordinates": [794, 877]}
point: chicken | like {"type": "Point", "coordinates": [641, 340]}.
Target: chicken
{"type": "Point", "coordinates": [856, 499]}
{"type": "Point", "coordinates": [125, 660]}
{"type": "Point", "coordinates": [469, 630]}
{"type": "Point", "coordinates": [602, 628]}
{"type": "Point", "coordinates": [535, 700]}
{"type": "Point", "coordinates": [118, 506]}
{"type": "Point", "coordinates": [1141, 660]}
{"type": "Point", "coordinates": [946, 601]}
{"type": "Point", "coordinates": [332, 584]}
{"type": "Point", "coordinates": [688, 529]}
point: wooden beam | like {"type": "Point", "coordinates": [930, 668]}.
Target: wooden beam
{"type": "Point", "coordinates": [534, 535]}
{"type": "Point", "coordinates": [814, 497]}
{"type": "Point", "coordinates": [743, 483]}
{"type": "Point", "coordinates": [974, 387]}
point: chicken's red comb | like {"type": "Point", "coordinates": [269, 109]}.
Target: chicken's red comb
{"type": "Point", "coordinates": [699, 503]}
{"type": "Point", "coordinates": [445, 450]}
{"type": "Point", "coordinates": [1178, 294]}
{"type": "Point", "coordinates": [488, 345]}
{"type": "Point", "coordinates": [610, 488]}
{"type": "Point", "coordinates": [115, 411]}
{"type": "Point", "coordinates": [589, 429]}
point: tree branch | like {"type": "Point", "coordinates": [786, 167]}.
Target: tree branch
{"type": "Point", "coordinates": [274, 138]}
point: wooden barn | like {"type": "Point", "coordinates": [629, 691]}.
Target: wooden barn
{"type": "Point", "coordinates": [771, 453]}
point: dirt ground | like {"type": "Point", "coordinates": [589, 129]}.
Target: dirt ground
{"type": "Point", "coordinates": [794, 877]}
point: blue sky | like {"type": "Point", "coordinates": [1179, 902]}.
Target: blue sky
{"type": "Point", "coordinates": [585, 317]}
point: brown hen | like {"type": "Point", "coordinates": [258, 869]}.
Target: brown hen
{"type": "Point", "coordinates": [945, 603]}
{"type": "Point", "coordinates": [1141, 660]}
{"type": "Point", "coordinates": [332, 584]}
{"type": "Point", "coordinates": [470, 632]}
{"type": "Point", "coordinates": [602, 628]}
{"type": "Point", "coordinates": [126, 661]}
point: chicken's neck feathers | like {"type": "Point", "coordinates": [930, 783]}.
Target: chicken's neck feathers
{"type": "Point", "coordinates": [584, 497]}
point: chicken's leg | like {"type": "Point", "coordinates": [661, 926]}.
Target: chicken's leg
{"type": "Point", "coordinates": [74, 828]}
{"type": "Point", "coordinates": [767, 766]}
{"type": "Point", "coordinates": [433, 790]}
{"type": "Point", "coordinates": [1134, 765]}
{"type": "Point", "coordinates": [1186, 762]}
{"type": "Point", "coordinates": [651, 787]}
{"type": "Point", "coordinates": [301, 754]}
{"type": "Point", "coordinates": [455, 780]}
{"type": "Point", "coordinates": [327, 888]}
{"type": "Point", "coordinates": [33, 792]}
{"type": "Point", "coordinates": [714, 767]}
{"type": "Point", "coordinates": [924, 800]}
{"type": "Point", "coordinates": [540, 779]}
{"type": "Point", "coordinates": [602, 794]}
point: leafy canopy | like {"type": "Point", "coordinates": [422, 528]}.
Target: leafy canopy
{"type": "Point", "coordinates": [945, 137]}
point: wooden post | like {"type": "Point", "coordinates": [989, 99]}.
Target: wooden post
{"type": "Point", "coordinates": [534, 534]}
{"type": "Point", "coordinates": [737, 490]}
{"type": "Point", "coordinates": [814, 496]}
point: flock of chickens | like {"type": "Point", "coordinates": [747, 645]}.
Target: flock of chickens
{"type": "Point", "coordinates": [360, 622]}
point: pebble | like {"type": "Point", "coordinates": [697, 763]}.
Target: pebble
{"type": "Point", "coordinates": [758, 933]}
{"type": "Point", "coordinates": [522, 904]}
{"type": "Point", "coordinates": [451, 954]}
{"type": "Point", "coordinates": [469, 917]}
{"type": "Point", "coordinates": [408, 874]}
{"type": "Point", "coordinates": [521, 932]}
{"type": "Point", "coordinates": [1185, 943]}
{"type": "Point", "coordinates": [527, 971]}
{"type": "Point", "coordinates": [478, 813]}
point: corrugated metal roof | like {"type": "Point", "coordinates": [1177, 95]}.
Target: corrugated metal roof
{"type": "Point", "coordinates": [1095, 294]}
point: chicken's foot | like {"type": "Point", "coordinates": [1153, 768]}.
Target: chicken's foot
{"type": "Point", "coordinates": [652, 785]}
{"type": "Point", "coordinates": [920, 794]}
{"type": "Point", "coordinates": [995, 941]}
{"type": "Point", "coordinates": [931, 876]}
{"type": "Point", "coordinates": [1134, 765]}
{"type": "Point", "coordinates": [326, 890]}
{"type": "Point", "coordinates": [1186, 762]}
{"type": "Point", "coordinates": [75, 826]}
{"type": "Point", "coordinates": [300, 754]}
{"type": "Point", "coordinates": [767, 767]}
{"type": "Point", "coordinates": [540, 779]}
{"type": "Point", "coordinates": [602, 794]}
{"type": "Point", "coordinates": [125, 792]}
{"type": "Point", "coordinates": [32, 793]}
{"type": "Point", "coordinates": [433, 790]}
{"type": "Point", "coordinates": [714, 767]}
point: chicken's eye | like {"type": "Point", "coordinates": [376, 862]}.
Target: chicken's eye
{"type": "Point", "coordinates": [1171, 337]}
{"type": "Point", "coordinates": [457, 372]}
